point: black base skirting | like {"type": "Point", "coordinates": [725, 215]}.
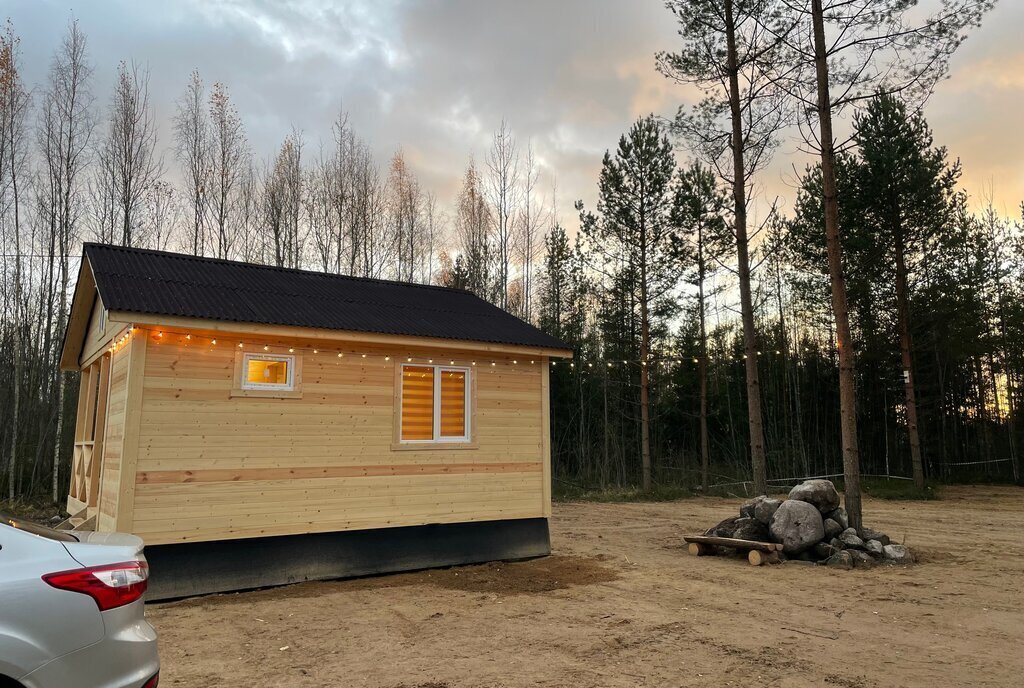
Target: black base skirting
{"type": "Point", "coordinates": [197, 568]}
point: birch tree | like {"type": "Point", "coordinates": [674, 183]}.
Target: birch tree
{"type": "Point", "coordinates": [14, 107]}
{"type": "Point", "coordinates": [503, 193]}
{"type": "Point", "coordinates": [229, 152]}
{"type": "Point", "coordinates": [128, 158]}
{"type": "Point", "coordinates": [191, 143]}
{"type": "Point", "coordinates": [67, 123]}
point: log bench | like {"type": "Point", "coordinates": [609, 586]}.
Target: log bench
{"type": "Point", "coordinates": [758, 553]}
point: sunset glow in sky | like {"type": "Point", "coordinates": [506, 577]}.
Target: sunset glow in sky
{"type": "Point", "coordinates": [438, 77]}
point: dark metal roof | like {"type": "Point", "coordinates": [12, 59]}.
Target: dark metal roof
{"type": "Point", "coordinates": [159, 283]}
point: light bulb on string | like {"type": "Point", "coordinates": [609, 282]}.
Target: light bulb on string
{"type": "Point", "coordinates": [213, 342]}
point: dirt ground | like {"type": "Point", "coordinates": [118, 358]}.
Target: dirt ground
{"type": "Point", "coordinates": [621, 604]}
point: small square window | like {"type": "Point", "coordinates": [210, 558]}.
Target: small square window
{"type": "Point", "coordinates": [268, 372]}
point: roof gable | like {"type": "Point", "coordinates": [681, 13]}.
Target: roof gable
{"type": "Point", "coordinates": [159, 283]}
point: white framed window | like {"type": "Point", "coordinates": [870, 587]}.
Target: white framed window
{"type": "Point", "coordinates": [435, 404]}
{"type": "Point", "coordinates": [268, 372]}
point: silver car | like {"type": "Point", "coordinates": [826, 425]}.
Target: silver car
{"type": "Point", "coordinates": [71, 610]}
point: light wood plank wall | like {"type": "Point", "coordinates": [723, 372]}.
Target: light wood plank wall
{"type": "Point", "coordinates": [210, 466]}
{"type": "Point", "coordinates": [112, 446]}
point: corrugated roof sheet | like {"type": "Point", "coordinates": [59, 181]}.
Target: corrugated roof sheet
{"type": "Point", "coordinates": [159, 283]}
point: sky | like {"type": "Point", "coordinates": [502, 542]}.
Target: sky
{"type": "Point", "coordinates": [438, 77]}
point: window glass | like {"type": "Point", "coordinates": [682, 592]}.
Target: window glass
{"type": "Point", "coordinates": [453, 403]}
{"type": "Point", "coordinates": [417, 403]}
{"type": "Point", "coordinates": [434, 403]}
{"type": "Point", "coordinates": [267, 371]}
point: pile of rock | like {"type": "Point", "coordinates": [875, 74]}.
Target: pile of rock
{"type": "Point", "coordinates": [811, 526]}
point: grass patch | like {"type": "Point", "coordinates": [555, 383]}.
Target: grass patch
{"type": "Point", "coordinates": [565, 492]}
{"type": "Point", "coordinates": [38, 510]}
{"type": "Point", "coordinates": [883, 488]}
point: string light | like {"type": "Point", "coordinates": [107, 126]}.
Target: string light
{"type": "Point", "coordinates": [609, 363]}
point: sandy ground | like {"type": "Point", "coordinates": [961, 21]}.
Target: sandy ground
{"type": "Point", "coordinates": [622, 604]}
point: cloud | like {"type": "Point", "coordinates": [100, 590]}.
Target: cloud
{"type": "Point", "coordinates": [437, 77]}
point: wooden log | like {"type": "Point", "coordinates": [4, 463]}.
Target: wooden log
{"type": "Point", "coordinates": [733, 542]}
{"type": "Point", "coordinates": [697, 549]}
{"type": "Point", "coordinates": [758, 558]}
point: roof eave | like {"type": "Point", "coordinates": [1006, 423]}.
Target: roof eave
{"type": "Point", "coordinates": [298, 332]}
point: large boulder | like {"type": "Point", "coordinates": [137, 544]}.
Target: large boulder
{"type": "Point", "coordinates": [897, 554]}
{"type": "Point", "coordinates": [840, 517]}
{"type": "Point", "coordinates": [724, 529]}
{"type": "Point", "coordinates": [747, 507]}
{"type": "Point", "coordinates": [833, 528]}
{"type": "Point", "coordinates": [821, 493]}
{"type": "Point", "coordinates": [851, 540]}
{"type": "Point", "coordinates": [797, 525]}
{"type": "Point", "coordinates": [766, 508]}
{"type": "Point", "coordinates": [751, 529]}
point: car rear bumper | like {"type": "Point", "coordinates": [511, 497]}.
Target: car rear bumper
{"type": "Point", "coordinates": [125, 658]}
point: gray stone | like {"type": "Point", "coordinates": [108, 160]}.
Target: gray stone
{"type": "Point", "coordinates": [766, 508]}
{"type": "Point", "coordinates": [869, 534]}
{"type": "Point", "coordinates": [851, 540]}
{"type": "Point", "coordinates": [833, 528]}
{"type": "Point", "coordinates": [837, 543]}
{"type": "Point", "coordinates": [724, 529]}
{"type": "Point", "coordinates": [897, 554]}
{"type": "Point", "coordinates": [861, 560]}
{"type": "Point", "coordinates": [797, 525]}
{"type": "Point", "coordinates": [751, 529]}
{"type": "Point", "coordinates": [747, 507]}
{"type": "Point", "coordinates": [821, 493]}
{"type": "Point", "coordinates": [823, 550]}
{"type": "Point", "coordinates": [840, 517]}
{"type": "Point", "coordinates": [840, 560]}
{"type": "Point", "coordinates": [874, 548]}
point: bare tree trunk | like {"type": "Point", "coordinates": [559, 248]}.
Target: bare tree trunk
{"type": "Point", "coordinates": [844, 338]}
{"type": "Point", "coordinates": [757, 449]}
{"type": "Point", "coordinates": [903, 308]}
{"type": "Point", "coordinates": [705, 451]}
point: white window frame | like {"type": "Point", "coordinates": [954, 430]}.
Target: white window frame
{"type": "Point", "coordinates": [288, 386]}
{"type": "Point", "coordinates": [467, 402]}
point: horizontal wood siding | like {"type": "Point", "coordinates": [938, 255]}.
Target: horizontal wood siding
{"type": "Point", "coordinates": [212, 466]}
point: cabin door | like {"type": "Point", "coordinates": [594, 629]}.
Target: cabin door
{"type": "Point", "coordinates": [90, 427]}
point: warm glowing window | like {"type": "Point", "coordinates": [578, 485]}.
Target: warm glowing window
{"type": "Point", "coordinates": [435, 404]}
{"type": "Point", "coordinates": [262, 371]}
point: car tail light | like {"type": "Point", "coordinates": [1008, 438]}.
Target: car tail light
{"type": "Point", "coordinates": [153, 682]}
{"type": "Point", "coordinates": [113, 585]}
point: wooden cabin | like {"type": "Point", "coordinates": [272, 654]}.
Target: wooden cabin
{"type": "Point", "coordinates": [258, 425]}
